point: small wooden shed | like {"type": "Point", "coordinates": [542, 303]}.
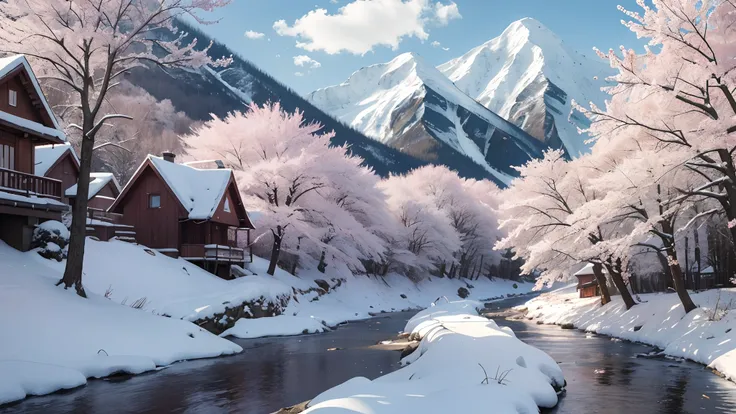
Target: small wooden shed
{"type": "Point", "coordinates": [587, 283]}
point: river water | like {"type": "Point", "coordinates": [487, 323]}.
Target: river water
{"type": "Point", "coordinates": [603, 376]}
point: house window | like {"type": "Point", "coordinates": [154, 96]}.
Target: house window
{"type": "Point", "coordinates": [226, 207]}
{"type": "Point", "coordinates": [12, 97]}
{"type": "Point", "coordinates": [154, 201]}
{"type": "Point", "coordinates": [7, 156]}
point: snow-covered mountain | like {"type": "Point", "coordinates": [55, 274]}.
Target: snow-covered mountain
{"type": "Point", "coordinates": [529, 76]}
{"type": "Point", "coordinates": [205, 91]}
{"type": "Point", "coordinates": [410, 105]}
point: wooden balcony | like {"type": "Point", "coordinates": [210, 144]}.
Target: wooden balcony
{"type": "Point", "coordinates": [212, 253]}
{"type": "Point", "coordinates": [16, 182]}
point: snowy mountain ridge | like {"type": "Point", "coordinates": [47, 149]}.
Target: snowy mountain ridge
{"type": "Point", "coordinates": [410, 105]}
{"type": "Point", "coordinates": [516, 87]}
{"type": "Point", "coordinates": [528, 75]}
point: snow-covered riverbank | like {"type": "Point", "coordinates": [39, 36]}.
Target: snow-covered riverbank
{"type": "Point", "coordinates": [706, 335]}
{"type": "Point", "coordinates": [464, 363]}
{"type": "Point", "coordinates": [53, 339]}
{"type": "Point", "coordinates": [56, 340]}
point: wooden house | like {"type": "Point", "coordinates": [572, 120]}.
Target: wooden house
{"type": "Point", "coordinates": [26, 121]}
{"type": "Point", "coordinates": [587, 283]}
{"type": "Point", "coordinates": [103, 190]}
{"type": "Point", "coordinates": [182, 211]}
{"type": "Point", "coordinates": [59, 162]}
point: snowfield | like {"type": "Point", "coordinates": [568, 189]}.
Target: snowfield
{"type": "Point", "coordinates": [56, 340]}
{"type": "Point", "coordinates": [173, 287]}
{"type": "Point", "coordinates": [53, 339]}
{"type": "Point", "coordinates": [464, 363]}
{"type": "Point", "coordinates": [706, 335]}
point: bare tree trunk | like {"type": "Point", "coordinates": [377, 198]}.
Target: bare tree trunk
{"type": "Point", "coordinates": [618, 280]}
{"type": "Point", "coordinates": [677, 277]}
{"type": "Point", "coordinates": [679, 282]}
{"type": "Point", "coordinates": [666, 269]}
{"type": "Point", "coordinates": [278, 237]}
{"type": "Point", "coordinates": [602, 285]}
{"type": "Point", "coordinates": [75, 260]}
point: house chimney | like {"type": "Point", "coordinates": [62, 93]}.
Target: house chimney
{"type": "Point", "coordinates": [168, 156]}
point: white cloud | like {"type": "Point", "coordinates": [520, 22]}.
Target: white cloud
{"type": "Point", "coordinates": [250, 34]}
{"type": "Point", "coordinates": [299, 74]}
{"type": "Point", "coordinates": [361, 25]}
{"type": "Point", "coordinates": [306, 61]}
{"type": "Point", "coordinates": [439, 45]}
{"type": "Point", "coordinates": [446, 12]}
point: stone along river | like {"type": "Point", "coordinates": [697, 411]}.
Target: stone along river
{"type": "Point", "coordinates": [603, 376]}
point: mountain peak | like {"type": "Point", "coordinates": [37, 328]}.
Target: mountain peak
{"type": "Point", "coordinates": [527, 29]}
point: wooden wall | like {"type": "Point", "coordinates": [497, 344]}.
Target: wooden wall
{"type": "Point", "coordinates": [221, 216]}
{"type": "Point", "coordinates": [104, 203]}
{"type": "Point", "coordinates": [25, 154]}
{"type": "Point", "coordinates": [65, 171]}
{"type": "Point", "coordinates": [156, 228]}
{"type": "Point", "coordinates": [25, 108]}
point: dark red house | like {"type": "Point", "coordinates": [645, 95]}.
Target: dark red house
{"type": "Point", "coordinates": [196, 214]}
{"type": "Point", "coordinates": [59, 162]}
{"type": "Point", "coordinates": [26, 121]}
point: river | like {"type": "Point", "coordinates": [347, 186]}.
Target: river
{"type": "Point", "coordinates": [604, 376]}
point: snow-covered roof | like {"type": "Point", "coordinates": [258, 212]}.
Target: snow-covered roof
{"type": "Point", "coordinates": [708, 269]}
{"type": "Point", "coordinates": [587, 270]}
{"type": "Point", "coordinates": [47, 155]}
{"type": "Point", "coordinates": [9, 64]}
{"type": "Point", "coordinates": [98, 181]}
{"type": "Point", "coordinates": [199, 191]}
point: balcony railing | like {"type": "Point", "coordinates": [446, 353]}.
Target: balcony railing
{"type": "Point", "coordinates": [212, 252]}
{"type": "Point", "coordinates": [29, 185]}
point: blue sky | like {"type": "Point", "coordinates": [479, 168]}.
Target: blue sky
{"type": "Point", "coordinates": [334, 46]}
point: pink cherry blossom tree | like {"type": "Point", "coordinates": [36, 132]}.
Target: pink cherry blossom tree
{"type": "Point", "coordinates": [312, 200]}
{"type": "Point", "coordinates": [537, 213]}
{"type": "Point", "coordinates": [87, 46]}
{"type": "Point", "coordinates": [678, 97]}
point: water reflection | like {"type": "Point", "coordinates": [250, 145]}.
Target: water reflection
{"type": "Point", "coordinates": [603, 376]}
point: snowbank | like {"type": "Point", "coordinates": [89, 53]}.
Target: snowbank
{"type": "Point", "coordinates": [282, 325]}
{"type": "Point", "coordinates": [465, 363]}
{"type": "Point", "coordinates": [706, 335]}
{"type": "Point", "coordinates": [127, 273]}
{"type": "Point", "coordinates": [52, 339]}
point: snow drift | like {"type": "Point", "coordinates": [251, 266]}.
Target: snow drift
{"type": "Point", "coordinates": [53, 339]}
{"type": "Point", "coordinates": [464, 363]}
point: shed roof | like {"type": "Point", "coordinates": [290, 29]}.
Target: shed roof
{"type": "Point", "coordinates": [588, 270]}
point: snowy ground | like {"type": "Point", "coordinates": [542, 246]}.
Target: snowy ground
{"type": "Point", "coordinates": [52, 339]}
{"type": "Point", "coordinates": [464, 363]}
{"type": "Point", "coordinates": [55, 336]}
{"type": "Point", "coordinates": [130, 273]}
{"type": "Point", "coordinates": [706, 335]}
